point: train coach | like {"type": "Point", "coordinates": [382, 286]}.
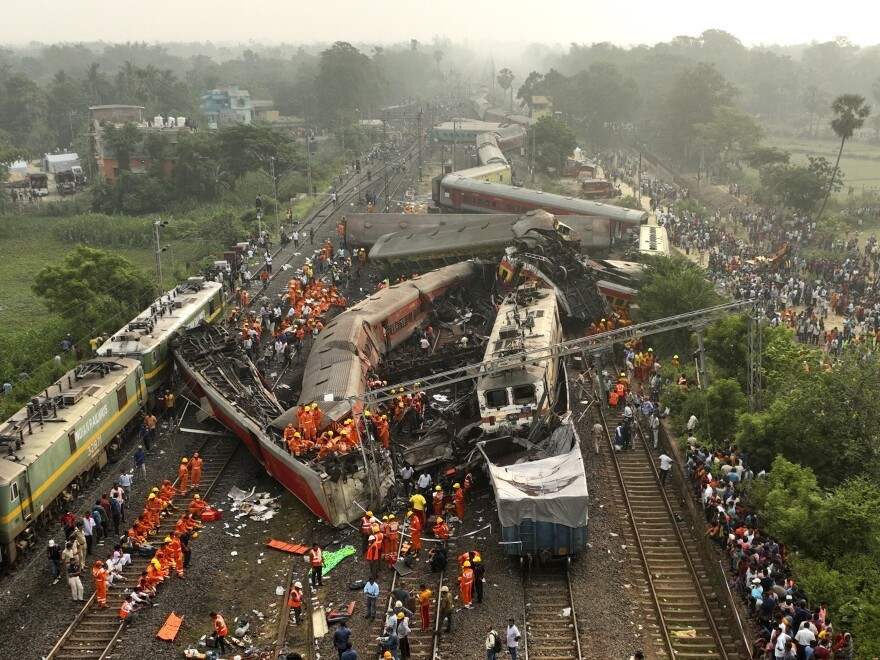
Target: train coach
{"type": "Point", "coordinates": [146, 337]}
{"type": "Point", "coordinates": [362, 230]}
{"type": "Point", "coordinates": [360, 337]}
{"type": "Point", "coordinates": [454, 192]}
{"type": "Point", "coordinates": [60, 440]}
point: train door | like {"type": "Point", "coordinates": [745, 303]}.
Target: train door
{"type": "Point", "coordinates": [141, 391]}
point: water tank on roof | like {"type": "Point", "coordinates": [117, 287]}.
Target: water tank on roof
{"type": "Point", "coordinates": [158, 120]}
{"type": "Point", "coordinates": [181, 121]}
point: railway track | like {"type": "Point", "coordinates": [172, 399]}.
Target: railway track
{"type": "Point", "coordinates": [691, 616]}
{"type": "Point", "coordinates": [95, 631]}
{"type": "Point", "coordinates": [550, 629]}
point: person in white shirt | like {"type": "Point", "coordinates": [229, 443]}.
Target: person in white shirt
{"type": "Point", "coordinates": [692, 424]}
{"type": "Point", "coordinates": [425, 482]}
{"type": "Point", "coordinates": [513, 638]}
{"type": "Point", "coordinates": [665, 465]}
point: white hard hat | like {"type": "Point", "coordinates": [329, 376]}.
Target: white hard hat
{"type": "Point", "coordinates": [298, 585]}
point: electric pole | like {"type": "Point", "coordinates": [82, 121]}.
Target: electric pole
{"type": "Point", "coordinates": [159, 251]}
{"type": "Point", "coordinates": [419, 138]}
{"type": "Point", "coordinates": [274, 188]}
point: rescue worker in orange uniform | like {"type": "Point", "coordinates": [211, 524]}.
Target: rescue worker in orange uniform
{"type": "Point", "coordinates": [392, 533]}
{"type": "Point", "coordinates": [183, 473]}
{"type": "Point", "coordinates": [374, 556]}
{"type": "Point", "coordinates": [176, 550]}
{"type": "Point", "coordinates": [415, 532]}
{"type": "Point", "coordinates": [438, 500]}
{"type": "Point", "coordinates": [308, 426]}
{"type": "Point", "coordinates": [316, 559]}
{"type": "Point", "coordinates": [99, 573]}
{"type": "Point", "coordinates": [295, 600]}
{"type": "Point", "coordinates": [317, 417]}
{"type": "Point", "coordinates": [366, 529]}
{"type": "Point", "coordinates": [383, 431]}
{"type": "Point", "coordinates": [289, 434]}
{"type": "Point", "coordinates": [154, 507]}
{"type": "Point", "coordinates": [466, 584]}
{"type": "Point", "coordinates": [441, 530]}
{"type": "Point", "coordinates": [195, 473]}
{"type": "Point", "coordinates": [197, 506]}
{"type": "Point", "coordinates": [468, 482]}
{"type": "Point", "coordinates": [459, 501]}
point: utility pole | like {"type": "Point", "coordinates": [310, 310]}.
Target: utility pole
{"type": "Point", "coordinates": [419, 138]}
{"type": "Point", "coordinates": [309, 157]}
{"type": "Point", "coordinates": [639, 182]}
{"type": "Point", "coordinates": [159, 251]}
{"type": "Point", "coordinates": [454, 141]}
{"type": "Point", "coordinates": [274, 188]}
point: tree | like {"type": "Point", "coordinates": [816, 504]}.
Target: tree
{"type": "Point", "coordinates": [95, 288]}
{"type": "Point", "coordinates": [158, 149]}
{"type": "Point", "coordinates": [97, 85]}
{"type": "Point", "coordinates": [850, 112]}
{"type": "Point", "coordinates": [553, 142]}
{"type": "Point", "coordinates": [198, 169]}
{"type": "Point", "coordinates": [505, 80]}
{"type": "Point", "coordinates": [121, 141]}
{"type": "Point", "coordinates": [729, 134]}
{"type": "Point", "coordinates": [605, 98]}
{"type": "Point", "coordinates": [247, 148]}
{"type": "Point", "coordinates": [23, 113]}
{"type": "Point", "coordinates": [347, 79]}
{"type": "Point", "coordinates": [692, 100]}
{"type": "Point", "coordinates": [670, 286]}
{"type": "Point", "coordinates": [760, 157]}
{"type": "Point", "coordinates": [799, 187]}
{"type": "Point", "coordinates": [815, 102]}
{"type": "Point", "coordinates": [8, 155]}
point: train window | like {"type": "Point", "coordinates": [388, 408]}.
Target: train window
{"type": "Point", "coordinates": [13, 492]}
{"type": "Point", "coordinates": [121, 398]}
{"type": "Point", "coordinates": [523, 394]}
{"type": "Point", "coordinates": [71, 437]}
{"type": "Point", "coordinates": [496, 398]}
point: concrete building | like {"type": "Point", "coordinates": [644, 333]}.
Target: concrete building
{"type": "Point", "coordinates": [227, 105]}
{"type": "Point", "coordinates": [542, 106]}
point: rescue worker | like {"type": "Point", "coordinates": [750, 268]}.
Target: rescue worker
{"type": "Point", "coordinates": [437, 500]}
{"type": "Point", "coordinates": [441, 530]}
{"type": "Point", "coordinates": [183, 473]}
{"type": "Point", "coordinates": [383, 431]}
{"type": "Point", "coordinates": [418, 506]}
{"type": "Point", "coordinates": [220, 631]}
{"type": "Point", "coordinates": [195, 474]}
{"type": "Point", "coordinates": [459, 501]}
{"type": "Point", "coordinates": [317, 417]}
{"type": "Point", "coordinates": [466, 584]}
{"type": "Point", "coordinates": [197, 506]}
{"type": "Point", "coordinates": [675, 362]}
{"type": "Point", "coordinates": [289, 434]}
{"type": "Point", "coordinates": [366, 529]}
{"type": "Point", "coordinates": [316, 559]}
{"type": "Point", "coordinates": [386, 540]}
{"type": "Point", "coordinates": [415, 533]}
{"type": "Point", "coordinates": [308, 430]}
{"type": "Point", "coordinates": [424, 600]}
{"type": "Point", "coordinates": [295, 600]}
{"type": "Point", "coordinates": [468, 482]}
{"type": "Point", "coordinates": [99, 573]}
{"type": "Point", "coordinates": [128, 611]}
{"type": "Point", "coordinates": [374, 556]}
{"type": "Point", "coordinates": [176, 550]}
{"type": "Point", "coordinates": [392, 534]}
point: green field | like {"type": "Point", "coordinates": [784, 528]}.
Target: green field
{"type": "Point", "coordinates": [28, 245]}
{"type": "Point", "coordinates": [860, 162]}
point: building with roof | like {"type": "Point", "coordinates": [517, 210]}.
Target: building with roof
{"type": "Point", "coordinates": [541, 106]}
{"type": "Point", "coordinates": [227, 105]}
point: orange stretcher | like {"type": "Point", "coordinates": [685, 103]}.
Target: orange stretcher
{"type": "Point", "coordinates": [335, 616]}
{"type": "Point", "coordinates": [170, 628]}
{"type": "Point", "coordinates": [288, 547]}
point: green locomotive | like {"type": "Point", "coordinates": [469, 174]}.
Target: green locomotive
{"type": "Point", "coordinates": [60, 439]}
{"type": "Point", "coordinates": [146, 337]}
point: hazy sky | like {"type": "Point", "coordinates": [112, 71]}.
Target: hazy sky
{"type": "Point", "coordinates": [480, 21]}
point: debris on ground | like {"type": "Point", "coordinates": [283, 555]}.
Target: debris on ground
{"type": "Point", "coordinates": [257, 506]}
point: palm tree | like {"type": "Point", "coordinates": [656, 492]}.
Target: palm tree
{"type": "Point", "coordinates": [97, 85]}
{"type": "Point", "coordinates": [850, 112]}
{"type": "Point", "coordinates": [505, 79]}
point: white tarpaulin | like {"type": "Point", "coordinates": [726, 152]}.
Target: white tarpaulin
{"type": "Point", "coordinates": [552, 490]}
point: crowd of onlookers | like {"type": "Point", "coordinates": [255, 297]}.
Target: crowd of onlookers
{"type": "Point", "coordinates": [788, 626]}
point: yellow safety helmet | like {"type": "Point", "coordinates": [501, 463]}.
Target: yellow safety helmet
{"type": "Point", "coordinates": [184, 460]}
{"type": "Point", "coordinates": [477, 559]}
{"type": "Point", "coordinates": [367, 413]}
{"type": "Point", "coordinates": [197, 496]}
{"type": "Point", "coordinates": [297, 435]}
{"type": "Point", "coordinates": [439, 520]}
{"type": "Point", "coordinates": [167, 539]}
{"type": "Point", "coordinates": [390, 516]}
{"type": "Point", "coordinates": [314, 405]}
{"type": "Point", "coordinates": [467, 564]}
{"type": "Point", "coordinates": [674, 357]}
{"type": "Point", "coordinates": [195, 535]}
{"type": "Point", "coordinates": [437, 488]}
{"type": "Point", "coordinates": [370, 513]}
{"type": "Point", "coordinates": [650, 350]}
{"type": "Point", "coordinates": [152, 496]}
{"type": "Point", "coordinates": [384, 416]}
{"type": "Point", "coordinates": [409, 513]}
{"type": "Point", "coordinates": [622, 375]}
{"type": "Point", "coordinates": [384, 517]}
{"type": "Point", "coordinates": [456, 485]}
{"type": "Point", "coordinates": [154, 490]}
{"type": "Point", "coordinates": [329, 434]}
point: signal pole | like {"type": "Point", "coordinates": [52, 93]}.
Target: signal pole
{"type": "Point", "coordinates": [159, 251]}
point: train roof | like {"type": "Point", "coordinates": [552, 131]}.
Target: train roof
{"type": "Point", "coordinates": [549, 490]}
{"type": "Point", "coordinates": [476, 234]}
{"type": "Point", "coordinates": [75, 396]}
{"type": "Point", "coordinates": [554, 201]}
{"type": "Point", "coordinates": [527, 319]}
{"type": "Point", "coordinates": [653, 240]}
{"type": "Point", "coordinates": [485, 170]}
{"type": "Point", "coordinates": [469, 126]}
{"type": "Point", "coordinates": [165, 317]}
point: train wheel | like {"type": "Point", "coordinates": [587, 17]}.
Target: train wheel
{"type": "Point", "coordinates": [562, 273]}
